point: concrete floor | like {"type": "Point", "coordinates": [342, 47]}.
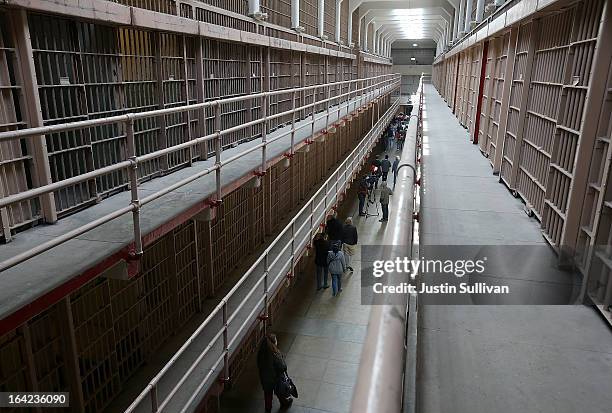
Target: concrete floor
{"type": "Point", "coordinates": [321, 337]}
{"type": "Point", "coordinates": [523, 358]}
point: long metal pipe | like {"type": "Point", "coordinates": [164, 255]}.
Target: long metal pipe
{"type": "Point", "coordinates": [321, 18]}
{"type": "Point", "coordinates": [295, 14]}
{"type": "Point", "coordinates": [254, 7]}
{"type": "Point", "coordinates": [382, 369]}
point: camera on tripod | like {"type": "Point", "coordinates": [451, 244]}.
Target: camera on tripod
{"type": "Point", "coordinates": [372, 181]}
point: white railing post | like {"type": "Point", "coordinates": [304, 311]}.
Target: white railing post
{"type": "Point", "coordinates": [264, 133]}
{"type": "Point", "coordinates": [133, 176]}
{"type": "Point", "coordinates": [218, 150]}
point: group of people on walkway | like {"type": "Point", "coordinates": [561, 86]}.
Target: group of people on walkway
{"type": "Point", "coordinates": [396, 132]}
{"type": "Point", "coordinates": [334, 249]}
{"type": "Point", "coordinates": [333, 252]}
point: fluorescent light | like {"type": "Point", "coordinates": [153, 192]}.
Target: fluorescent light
{"type": "Point", "coordinates": [412, 58]}
{"type": "Point", "coordinates": [414, 45]}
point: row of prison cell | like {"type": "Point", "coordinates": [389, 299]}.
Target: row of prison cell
{"type": "Point", "coordinates": [86, 70]}
{"type": "Point", "coordinates": [523, 97]}
{"type": "Point", "coordinates": [278, 11]}
{"type": "Point", "coordinates": [94, 340]}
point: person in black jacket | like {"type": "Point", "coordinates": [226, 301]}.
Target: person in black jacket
{"type": "Point", "coordinates": [321, 247]}
{"type": "Point", "coordinates": [334, 230]}
{"type": "Point", "coordinates": [271, 365]}
{"type": "Point", "coordinates": [349, 241]}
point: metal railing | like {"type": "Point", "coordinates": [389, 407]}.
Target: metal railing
{"type": "Point", "coordinates": [385, 380]}
{"type": "Point", "coordinates": [359, 91]}
{"type": "Point", "coordinates": [218, 335]}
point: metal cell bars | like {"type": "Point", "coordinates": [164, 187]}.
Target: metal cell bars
{"type": "Point", "coordinates": [14, 374]}
{"type": "Point", "coordinates": [50, 351]}
{"type": "Point", "coordinates": [284, 74]}
{"type": "Point", "coordinates": [95, 341]}
{"type": "Point", "coordinates": [218, 336]}
{"type": "Point", "coordinates": [329, 19]}
{"type": "Point", "coordinates": [56, 45]}
{"type": "Point", "coordinates": [344, 17]}
{"type": "Point", "coordinates": [487, 98]}
{"type": "Point", "coordinates": [162, 6]}
{"type": "Point", "coordinates": [309, 16]}
{"type": "Point", "coordinates": [513, 146]}
{"type": "Point", "coordinates": [220, 18]}
{"type": "Point", "coordinates": [279, 11]}
{"type": "Point", "coordinates": [226, 74]}
{"type": "Point", "coordinates": [15, 160]}
{"type": "Point", "coordinates": [461, 107]}
{"type": "Point", "coordinates": [594, 246]}
{"type": "Point", "coordinates": [569, 116]}
{"type": "Point", "coordinates": [496, 95]}
{"type": "Point", "coordinates": [474, 86]}
{"type": "Point", "coordinates": [378, 86]}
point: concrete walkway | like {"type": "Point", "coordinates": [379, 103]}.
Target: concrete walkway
{"type": "Point", "coordinates": [321, 337]}
{"type": "Point", "coordinates": [498, 358]}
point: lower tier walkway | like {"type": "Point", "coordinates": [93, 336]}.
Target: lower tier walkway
{"type": "Point", "coordinates": [495, 358]}
{"type": "Point", "coordinates": [321, 336]}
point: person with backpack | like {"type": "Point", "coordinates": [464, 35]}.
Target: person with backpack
{"type": "Point", "coordinates": [385, 165]}
{"type": "Point", "coordinates": [321, 247]}
{"type": "Point", "coordinates": [337, 267]}
{"type": "Point", "coordinates": [272, 370]}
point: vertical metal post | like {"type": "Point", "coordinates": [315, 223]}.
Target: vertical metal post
{"type": "Point", "coordinates": [201, 113]}
{"type": "Point", "coordinates": [133, 176]}
{"type": "Point", "coordinates": [154, 399]}
{"type": "Point", "coordinates": [266, 289]}
{"type": "Point", "coordinates": [292, 150]}
{"type": "Point", "coordinates": [218, 149]}
{"type": "Point", "coordinates": [292, 247]}
{"type": "Point", "coordinates": [264, 132]}
{"type": "Point", "coordinates": [37, 145]}
{"type": "Point", "coordinates": [321, 19]}
{"type": "Point", "coordinates": [225, 344]}
{"type": "Point", "coordinates": [503, 117]}
{"type": "Point", "coordinates": [295, 14]}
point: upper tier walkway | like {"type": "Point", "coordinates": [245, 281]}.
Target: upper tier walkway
{"type": "Point", "coordinates": [495, 358]}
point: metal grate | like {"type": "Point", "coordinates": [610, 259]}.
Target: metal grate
{"type": "Point", "coordinates": [15, 159]}
{"type": "Point", "coordinates": [309, 10]}
{"type": "Point", "coordinates": [279, 12]}
{"type": "Point", "coordinates": [329, 19]}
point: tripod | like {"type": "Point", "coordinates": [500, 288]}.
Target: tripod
{"type": "Point", "coordinates": [370, 199]}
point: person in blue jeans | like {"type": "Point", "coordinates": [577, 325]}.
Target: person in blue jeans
{"type": "Point", "coordinates": [337, 266]}
{"type": "Point", "coordinates": [321, 247]}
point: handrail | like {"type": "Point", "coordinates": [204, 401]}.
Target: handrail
{"type": "Point", "coordinates": [312, 216]}
{"type": "Point", "coordinates": [383, 376]}
{"type": "Point", "coordinates": [359, 91]}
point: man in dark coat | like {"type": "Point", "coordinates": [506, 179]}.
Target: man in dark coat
{"type": "Point", "coordinates": [321, 247]}
{"type": "Point", "coordinates": [334, 229]}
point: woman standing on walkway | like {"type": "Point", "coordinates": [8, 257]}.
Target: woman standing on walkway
{"type": "Point", "coordinates": [337, 267]}
{"type": "Point", "coordinates": [272, 366]}
{"type": "Point", "coordinates": [321, 247]}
